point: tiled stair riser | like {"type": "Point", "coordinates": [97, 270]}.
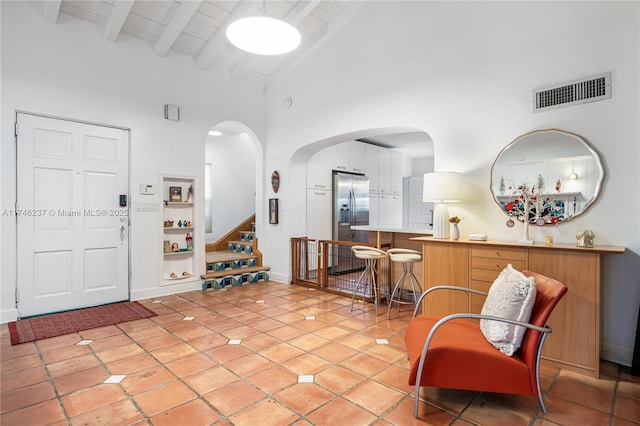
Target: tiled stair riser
{"type": "Point", "coordinates": [240, 248]}
{"type": "Point", "coordinates": [234, 280]}
{"type": "Point", "coordinates": [232, 264]}
{"type": "Point", "coordinates": [246, 236]}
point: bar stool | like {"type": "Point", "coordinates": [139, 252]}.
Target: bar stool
{"type": "Point", "coordinates": [406, 257]}
{"type": "Point", "coordinates": [370, 255]}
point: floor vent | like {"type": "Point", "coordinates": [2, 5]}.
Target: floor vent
{"type": "Point", "coordinates": [589, 89]}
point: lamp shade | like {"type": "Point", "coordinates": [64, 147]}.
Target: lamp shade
{"type": "Point", "coordinates": [263, 35]}
{"type": "Point", "coordinates": [442, 187]}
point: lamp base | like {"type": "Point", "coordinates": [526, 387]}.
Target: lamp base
{"type": "Point", "coordinates": [526, 242]}
{"type": "Point", "coordinates": [441, 222]}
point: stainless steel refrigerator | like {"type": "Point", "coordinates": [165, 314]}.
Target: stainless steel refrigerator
{"type": "Point", "coordinates": [350, 207]}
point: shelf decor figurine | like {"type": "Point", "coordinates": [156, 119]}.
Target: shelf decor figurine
{"type": "Point", "coordinates": [189, 241]}
{"type": "Point", "coordinates": [189, 194]}
{"type": "Point", "coordinates": [584, 238]}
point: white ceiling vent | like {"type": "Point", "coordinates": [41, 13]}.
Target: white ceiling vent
{"type": "Point", "coordinates": [581, 91]}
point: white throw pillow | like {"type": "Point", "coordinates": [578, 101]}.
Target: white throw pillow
{"type": "Point", "coordinates": [512, 296]}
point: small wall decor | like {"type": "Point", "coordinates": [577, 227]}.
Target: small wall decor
{"type": "Point", "coordinates": [175, 194]}
{"type": "Point", "coordinates": [273, 210]}
{"type": "Point", "coordinates": [275, 181]}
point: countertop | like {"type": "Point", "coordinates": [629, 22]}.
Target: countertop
{"type": "Point", "coordinates": [536, 245]}
{"type": "Point", "coordinates": [392, 230]}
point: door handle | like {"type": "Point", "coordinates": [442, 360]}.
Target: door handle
{"type": "Point", "coordinates": [122, 233]}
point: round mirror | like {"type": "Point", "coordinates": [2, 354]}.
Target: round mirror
{"type": "Point", "coordinates": [546, 177]}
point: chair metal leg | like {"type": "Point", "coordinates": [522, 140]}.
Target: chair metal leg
{"type": "Point", "coordinates": [399, 288]}
{"type": "Point", "coordinates": [353, 297]}
{"type": "Point", "coordinates": [374, 285]}
{"type": "Point", "coordinates": [396, 288]}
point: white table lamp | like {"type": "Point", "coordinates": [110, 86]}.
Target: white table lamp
{"type": "Point", "coordinates": [442, 188]}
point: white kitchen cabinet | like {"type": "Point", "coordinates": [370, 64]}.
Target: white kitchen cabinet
{"type": "Point", "coordinates": [371, 158]}
{"type": "Point", "coordinates": [319, 170]}
{"type": "Point", "coordinates": [373, 210]}
{"type": "Point", "coordinates": [319, 214]}
{"type": "Point", "coordinates": [419, 211]}
{"type": "Point", "coordinates": [348, 157]}
{"type": "Point", "coordinates": [396, 173]}
{"type": "Point", "coordinates": [356, 156]}
{"type": "Point", "coordinates": [384, 171]}
{"type": "Point", "coordinates": [390, 211]}
{"type": "Point", "coordinates": [340, 155]}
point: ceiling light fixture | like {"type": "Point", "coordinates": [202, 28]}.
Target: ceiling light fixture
{"type": "Point", "coordinates": [215, 133]}
{"type": "Point", "coordinates": [263, 35]}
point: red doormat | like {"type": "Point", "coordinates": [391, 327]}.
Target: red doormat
{"type": "Point", "coordinates": [43, 327]}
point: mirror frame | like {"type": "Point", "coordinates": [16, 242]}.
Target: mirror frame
{"type": "Point", "coordinates": [598, 184]}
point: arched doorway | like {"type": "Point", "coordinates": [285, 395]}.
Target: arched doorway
{"type": "Point", "coordinates": [232, 173]}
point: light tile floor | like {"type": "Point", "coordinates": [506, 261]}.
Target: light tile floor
{"type": "Point", "coordinates": [297, 357]}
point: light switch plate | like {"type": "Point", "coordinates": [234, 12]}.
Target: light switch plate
{"type": "Point", "coordinates": [172, 112]}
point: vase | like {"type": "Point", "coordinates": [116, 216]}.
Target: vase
{"type": "Point", "coordinates": [455, 232]}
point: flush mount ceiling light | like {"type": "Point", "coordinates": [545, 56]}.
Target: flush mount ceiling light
{"type": "Point", "coordinates": [263, 35]}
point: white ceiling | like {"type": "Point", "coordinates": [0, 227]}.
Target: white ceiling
{"type": "Point", "coordinates": [196, 28]}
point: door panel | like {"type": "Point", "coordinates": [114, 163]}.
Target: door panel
{"type": "Point", "coordinates": [72, 235]}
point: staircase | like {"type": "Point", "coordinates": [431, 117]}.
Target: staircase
{"type": "Point", "coordinates": [239, 264]}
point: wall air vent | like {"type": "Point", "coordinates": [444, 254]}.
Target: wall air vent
{"type": "Point", "coordinates": [581, 91]}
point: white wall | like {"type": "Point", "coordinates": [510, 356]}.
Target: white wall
{"type": "Point", "coordinates": [233, 181]}
{"type": "Point", "coordinates": [460, 71]}
{"type": "Point", "coordinates": [69, 70]}
{"type": "Point", "coordinates": [463, 73]}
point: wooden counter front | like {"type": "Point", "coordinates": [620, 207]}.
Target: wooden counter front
{"type": "Point", "coordinates": [574, 343]}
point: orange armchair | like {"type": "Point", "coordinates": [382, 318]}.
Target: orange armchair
{"type": "Point", "coordinates": [451, 352]}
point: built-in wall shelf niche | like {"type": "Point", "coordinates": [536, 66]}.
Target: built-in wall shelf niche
{"type": "Point", "coordinates": [177, 230]}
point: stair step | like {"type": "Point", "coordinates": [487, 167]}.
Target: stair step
{"type": "Point", "coordinates": [236, 271]}
{"type": "Point", "coordinates": [223, 260]}
{"type": "Point", "coordinates": [234, 277]}
{"type": "Point", "coordinates": [247, 236]}
{"type": "Point", "coordinates": [240, 246]}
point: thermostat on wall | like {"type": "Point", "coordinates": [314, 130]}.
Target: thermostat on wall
{"type": "Point", "coordinates": [146, 189]}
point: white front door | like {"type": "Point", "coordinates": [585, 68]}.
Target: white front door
{"type": "Point", "coordinates": [72, 236]}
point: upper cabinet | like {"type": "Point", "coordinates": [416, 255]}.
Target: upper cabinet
{"type": "Point", "coordinates": [396, 173]}
{"type": "Point", "coordinates": [371, 166]}
{"type": "Point", "coordinates": [390, 172]}
{"type": "Point", "coordinates": [356, 156]}
{"type": "Point", "coordinates": [384, 171]}
{"type": "Point", "coordinates": [348, 157]}
{"type": "Point", "coordinates": [340, 157]}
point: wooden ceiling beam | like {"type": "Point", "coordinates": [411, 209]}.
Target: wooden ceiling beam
{"type": "Point", "coordinates": [183, 15]}
{"type": "Point", "coordinates": [300, 11]}
{"type": "Point", "coordinates": [216, 44]}
{"type": "Point", "coordinates": [119, 14]}
{"type": "Point", "coordinates": [51, 11]}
